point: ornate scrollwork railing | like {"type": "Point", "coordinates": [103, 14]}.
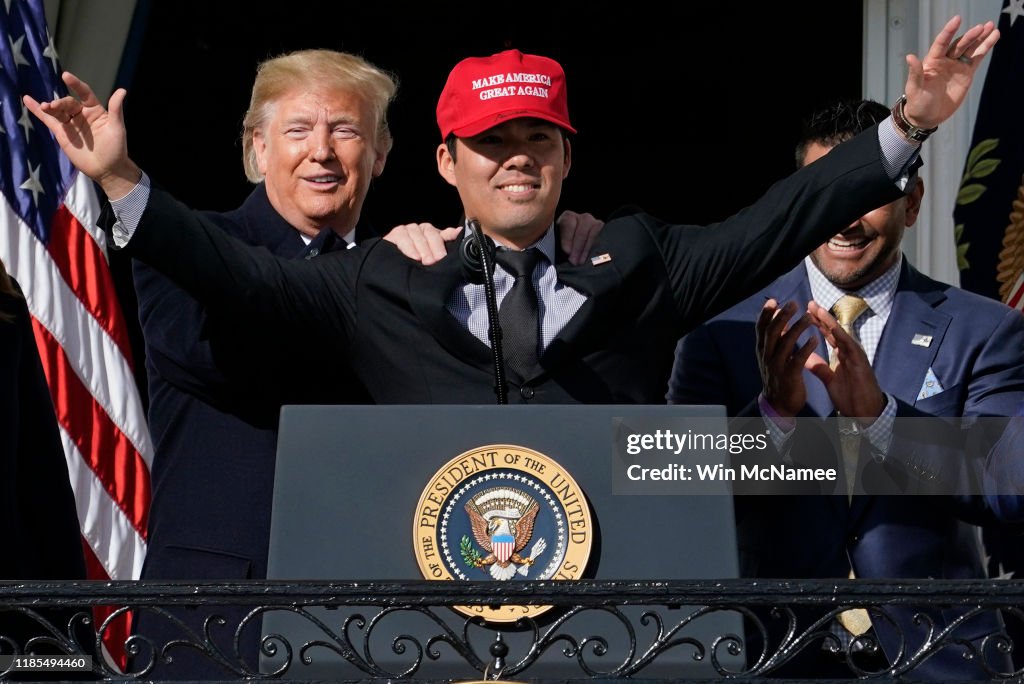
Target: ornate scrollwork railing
{"type": "Point", "coordinates": [388, 630]}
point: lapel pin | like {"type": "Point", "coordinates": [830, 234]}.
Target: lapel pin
{"type": "Point", "coordinates": [922, 340]}
{"type": "Point", "coordinates": [601, 259]}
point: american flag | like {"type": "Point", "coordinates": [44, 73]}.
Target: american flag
{"type": "Point", "coordinates": [50, 244]}
{"type": "Point", "coordinates": [989, 213]}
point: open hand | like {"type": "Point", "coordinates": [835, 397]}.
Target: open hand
{"type": "Point", "coordinates": [422, 242]}
{"type": "Point", "coordinates": [93, 138]}
{"type": "Point", "coordinates": [938, 84]}
{"type": "Point", "coordinates": [780, 360]}
{"type": "Point", "coordinates": [851, 385]}
{"type": "Point", "coordinates": [577, 233]}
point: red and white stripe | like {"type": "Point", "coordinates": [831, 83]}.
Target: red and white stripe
{"type": "Point", "coordinates": [503, 549]}
{"type": "Point", "coordinates": [1015, 300]}
{"type": "Point", "coordinates": [83, 343]}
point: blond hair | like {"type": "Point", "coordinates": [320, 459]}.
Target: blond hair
{"type": "Point", "coordinates": [326, 69]}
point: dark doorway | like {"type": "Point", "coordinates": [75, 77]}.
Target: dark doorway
{"type": "Point", "coordinates": [688, 110]}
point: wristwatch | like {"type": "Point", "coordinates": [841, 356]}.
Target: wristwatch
{"type": "Point", "coordinates": [907, 129]}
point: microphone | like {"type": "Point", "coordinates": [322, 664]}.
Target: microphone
{"type": "Point", "coordinates": [474, 259]}
{"type": "Point", "coordinates": [478, 268]}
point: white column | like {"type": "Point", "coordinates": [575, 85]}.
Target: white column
{"type": "Point", "coordinates": [90, 37]}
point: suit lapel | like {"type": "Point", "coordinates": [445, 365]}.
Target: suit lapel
{"type": "Point", "coordinates": [601, 284]}
{"type": "Point", "coordinates": [795, 287]}
{"type": "Point", "coordinates": [900, 364]}
{"type": "Point", "coordinates": [264, 226]}
{"type": "Point", "coordinates": [905, 353]}
{"type": "Point", "coordinates": [429, 289]}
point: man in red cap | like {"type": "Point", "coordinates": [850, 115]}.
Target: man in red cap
{"type": "Point", "coordinates": [599, 332]}
{"type": "Point", "coordinates": [510, 112]}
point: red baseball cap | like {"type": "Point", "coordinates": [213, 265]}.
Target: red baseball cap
{"type": "Point", "coordinates": [482, 92]}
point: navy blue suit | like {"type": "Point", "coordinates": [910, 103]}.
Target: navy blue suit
{"type": "Point", "coordinates": [977, 353]}
{"type": "Point", "coordinates": [213, 416]}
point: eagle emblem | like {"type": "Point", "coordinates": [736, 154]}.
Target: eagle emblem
{"type": "Point", "coordinates": [483, 509]}
{"type": "Point", "coordinates": [501, 519]}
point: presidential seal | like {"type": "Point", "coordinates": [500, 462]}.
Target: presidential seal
{"type": "Point", "coordinates": [502, 512]}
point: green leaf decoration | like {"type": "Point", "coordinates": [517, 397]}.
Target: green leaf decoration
{"type": "Point", "coordinates": [961, 257]}
{"type": "Point", "coordinates": [961, 249]}
{"type": "Point", "coordinates": [976, 167]}
{"type": "Point", "coordinates": [985, 168]}
{"type": "Point", "coordinates": [470, 556]}
{"type": "Point", "coordinates": [969, 193]}
{"type": "Point", "coordinates": [980, 150]}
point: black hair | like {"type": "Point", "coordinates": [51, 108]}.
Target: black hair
{"type": "Point", "coordinates": [838, 122]}
{"type": "Point", "coordinates": [450, 143]}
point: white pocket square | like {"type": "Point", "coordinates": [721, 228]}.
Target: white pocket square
{"type": "Point", "coordinates": [930, 387]}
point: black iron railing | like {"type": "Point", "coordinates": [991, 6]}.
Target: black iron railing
{"type": "Point", "coordinates": [597, 629]}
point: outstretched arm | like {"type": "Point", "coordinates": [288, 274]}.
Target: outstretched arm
{"type": "Point", "coordinates": [747, 251]}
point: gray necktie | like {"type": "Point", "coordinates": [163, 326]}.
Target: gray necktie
{"type": "Point", "coordinates": [518, 312]}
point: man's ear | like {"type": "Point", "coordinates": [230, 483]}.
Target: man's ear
{"type": "Point", "coordinates": [446, 163]}
{"type": "Point", "coordinates": [379, 162]}
{"type": "Point", "coordinates": [568, 158]}
{"type": "Point", "coordinates": [914, 198]}
{"type": "Point", "coordinates": [259, 146]}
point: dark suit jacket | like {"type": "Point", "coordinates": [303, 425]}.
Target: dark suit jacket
{"type": "Point", "coordinates": [976, 352]}
{"type": "Point", "coordinates": [214, 419]}
{"type": "Point", "coordinates": [389, 313]}
{"type": "Point", "coordinates": [37, 505]}
{"type": "Point", "coordinates": [215, 393]}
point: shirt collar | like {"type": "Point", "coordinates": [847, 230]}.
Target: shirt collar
{"type": "Point", "coordinates": [545, 245]}
{"type": "Point", "coordinates": [879, 293]}
{"type": "Point", "coordinates": [349, 238]}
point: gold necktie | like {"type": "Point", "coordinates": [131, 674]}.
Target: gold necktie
{"type": "Point", "coordinates": [855, 620]}
{"type": "Point", "coordinates": [847, 310]}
